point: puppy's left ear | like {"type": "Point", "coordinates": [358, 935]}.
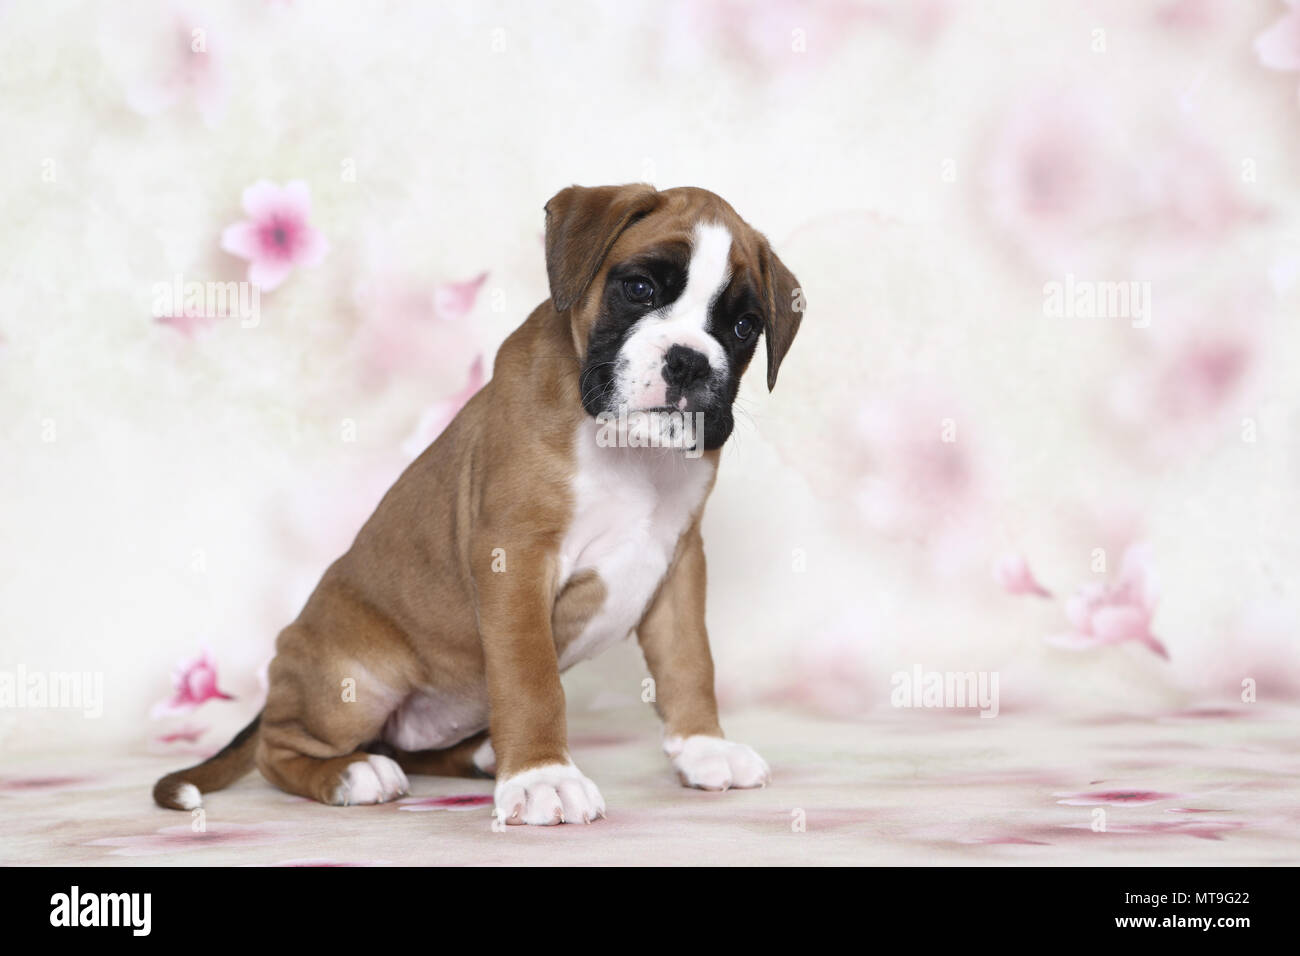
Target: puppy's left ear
{"type": "Point", "coordinates": [785, 308]}
{"type": "Point", "coordinates": [582, 224]}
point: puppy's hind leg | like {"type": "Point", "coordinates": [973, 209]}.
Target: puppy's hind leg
{"type": "Point", "coordinates": [310, 741]}
{"type": "Point", "coordinates": [355, 778]}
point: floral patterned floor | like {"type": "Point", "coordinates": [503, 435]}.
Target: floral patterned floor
{"type": "Point", "coordinates": [907, 787]}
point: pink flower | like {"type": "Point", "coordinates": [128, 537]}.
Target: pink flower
{"type": "Point", "coordinates": [1278, 47]}
{"type": "Point", "coordinates": [1012, 572]}
{"type": "Point", "coordinates": [195, 682]}
{"type": "Point", "coordinates": [188, 66]}
{"type": "Point", "coordinates": [1115, 611]}
{"type": "Point", "coordinates": [276, 236]}
{"type": "Point", "coordinates": [439, 415]}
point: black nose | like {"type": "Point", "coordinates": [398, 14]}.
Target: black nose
{"type": "Point", "coordinates": [684, 367]}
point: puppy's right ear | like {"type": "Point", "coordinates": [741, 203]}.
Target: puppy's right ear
{"type": "Point", "coordinates": [582, 224]}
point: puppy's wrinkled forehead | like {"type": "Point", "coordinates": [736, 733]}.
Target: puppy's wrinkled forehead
{"type": "Point", "coordinates": [695, 247]}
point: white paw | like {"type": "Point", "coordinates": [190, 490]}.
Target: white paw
{"type": "Point", "coordinates": [377, 779]}
{"type": "Point", "coordinates": [543, 796]}
{"type": "Point", "coordinates": [712, 763]}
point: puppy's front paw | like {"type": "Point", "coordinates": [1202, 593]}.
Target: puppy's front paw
{"type": "Point", "coordinates": [377, 779]}
{"type": "Point", "coordinates": [544, 796]}
{"type": "Point", "coordinates": [712, 763]}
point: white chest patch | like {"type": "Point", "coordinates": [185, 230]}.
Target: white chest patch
{"type": "Point", "coordinates": [631, 506]}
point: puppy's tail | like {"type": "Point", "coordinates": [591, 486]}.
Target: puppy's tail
{"type": "Point", "coordinates": [184, 789]}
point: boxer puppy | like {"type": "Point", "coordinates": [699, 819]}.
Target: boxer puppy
{"type": "Point", "coordinates": [538, 529]}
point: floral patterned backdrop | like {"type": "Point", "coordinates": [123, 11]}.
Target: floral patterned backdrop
{"type": "Point", "coordinates": [971, 463]}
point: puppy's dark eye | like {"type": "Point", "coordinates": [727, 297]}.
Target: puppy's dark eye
{"type": "Point", "coordinates": [744, 327]}
{"type": "Point", "coordinates": [639, 289]}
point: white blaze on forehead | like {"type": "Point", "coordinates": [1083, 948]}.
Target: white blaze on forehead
{"type": "Point", "coordinates": [685, 322]}
{"type": "Point", "coordinates": [709, 271]}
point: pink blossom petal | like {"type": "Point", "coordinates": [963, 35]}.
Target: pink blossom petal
{"type": "Point", "coordinates": [262, 199]}
{"type": "Point", "coordinates": [313, 249]}
{"type": "Point", "coordinates": [295, 199]}
{"type": "Point", "coordinates": [268, 274]}
{"type": "Point", "coordinates": [240, 239]}
{"type": "Point", "coordinates": [195, 682]}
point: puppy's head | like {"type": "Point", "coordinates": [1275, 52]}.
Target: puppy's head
{"type": "Point", "coordinates": [667, 294]}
